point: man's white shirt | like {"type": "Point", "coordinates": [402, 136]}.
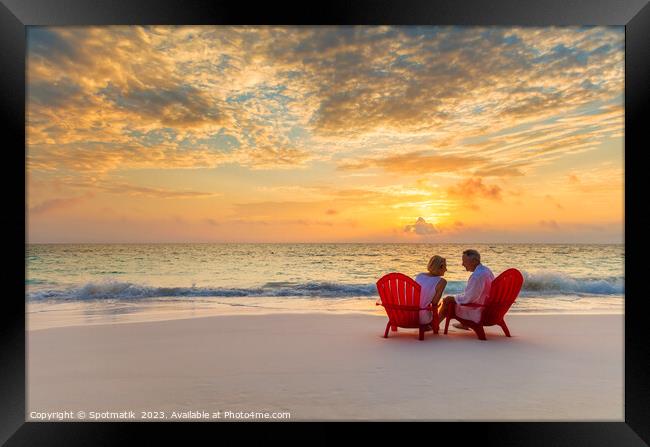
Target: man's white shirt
{"type": "Point", "coordinates": [477, 291]}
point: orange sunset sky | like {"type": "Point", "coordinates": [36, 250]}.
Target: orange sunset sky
{"type": "Point", "coordinates": [325, 134]}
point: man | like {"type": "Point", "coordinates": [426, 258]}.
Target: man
{"type": "Point", "coordinates": [477, 290]}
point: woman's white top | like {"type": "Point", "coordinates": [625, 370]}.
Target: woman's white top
{"type": "Point", "coordinates": [428, 285]}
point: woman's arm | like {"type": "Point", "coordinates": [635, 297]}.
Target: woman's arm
{"type": "Point", "coordinates": [440, 288]}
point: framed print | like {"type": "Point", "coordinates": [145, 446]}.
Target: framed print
{"type": "Point", "coordinates": [373, 212]}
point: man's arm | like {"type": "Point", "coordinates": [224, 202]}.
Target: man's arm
{"type": "Point", "coordinates": [472, 291]}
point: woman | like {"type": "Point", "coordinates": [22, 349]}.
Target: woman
{"type": "Point", "coordinates": [432, 286]}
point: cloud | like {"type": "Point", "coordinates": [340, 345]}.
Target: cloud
{"type": "Point", "coordinates": [58, 94]}
{"type": "Point", "coordinates": [161, 193]}
{"type": "Point", "coordinates": [415, 163]}
{"type": "Point", "coordinates": [473, 188]}
{"type": "Point", "coordinates": [431, 80]}
{"type": "Point", "coordinates": [550, 232]}
{"type": "Point", "coordinates": [493, 170]}
{"type": "Point", "coordinates": [421, 227]}
{"type": "Point", "coordinates": [259, 84]}
{"type": "Point", "coordinates": [178, 105]}
{"type": "Point", "coordinates": [100, 158]}
{"type": "Point", "coordinates": [110, 185]}
{"type": "Point", "coordinates": [51, 205]}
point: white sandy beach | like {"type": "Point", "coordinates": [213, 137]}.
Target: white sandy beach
{"type": "Point", "coordinates": [333, 367]}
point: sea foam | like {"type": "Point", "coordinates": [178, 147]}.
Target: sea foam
{"type": "Point", "coordinates": [536, 284]}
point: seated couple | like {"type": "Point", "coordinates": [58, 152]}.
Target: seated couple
{"type": "Point", "coordinates": [433, 285]}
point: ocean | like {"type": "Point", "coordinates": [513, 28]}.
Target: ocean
{"type": "Point", "coordinates": [108, 280]}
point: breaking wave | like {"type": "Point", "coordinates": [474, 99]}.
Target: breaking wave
{"type": "Point", "coordinates": [535, 284]}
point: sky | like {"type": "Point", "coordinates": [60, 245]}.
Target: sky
{"type": "Point", "coordinates": [325, 134]}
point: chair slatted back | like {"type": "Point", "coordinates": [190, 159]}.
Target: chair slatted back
{"type": "Point", "coordinates": [504, 290]}
{"type": "Point", "coordinates": [400, 296]}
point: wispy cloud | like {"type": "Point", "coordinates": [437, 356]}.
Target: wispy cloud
{"type": "Point", "coordinates": [416, 163]}
{"type": "Point", "coordinates": [52, 205]}
{"type": "Point", "coordinates": [474, 188]}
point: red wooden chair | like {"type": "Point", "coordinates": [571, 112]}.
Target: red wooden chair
{"type": "Point", "coordinates": [503, 292]}
{"type": "Point", "coordinates": [400, 296]}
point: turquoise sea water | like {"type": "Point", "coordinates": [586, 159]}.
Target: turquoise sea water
{"type": "Point", "coordinates": [558, 278]}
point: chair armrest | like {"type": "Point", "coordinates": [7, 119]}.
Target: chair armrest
{"type": "Point", "coordinates": [404, 307]}
{"type": "Point", "coordinates": [471, 305]}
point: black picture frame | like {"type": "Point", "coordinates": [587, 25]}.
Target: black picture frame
{"type": "Point", "coordinates": [16, 15]}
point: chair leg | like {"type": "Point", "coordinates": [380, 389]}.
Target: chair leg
{"type": "Point", "coordinates": [450, 314]}
{"type": "Point", "coordinates": [505, 328]}
{"type": "Point", "coordinates": [435, 322]}
{"type": "Point", "coordinates": [421, 336]}
{"type": "Point", "coordinates": [480, 332]}
{"type": "Point", "coordinates": [387, 328]}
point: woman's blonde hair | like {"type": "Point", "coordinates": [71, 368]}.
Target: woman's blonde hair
{"type": "Point", "coordinates": [434, 264]}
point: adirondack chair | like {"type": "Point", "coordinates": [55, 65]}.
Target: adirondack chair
{"type": "Point", "coordinates": [400, 296]}
{"type": "Point", "coordinates": [503, 292]}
